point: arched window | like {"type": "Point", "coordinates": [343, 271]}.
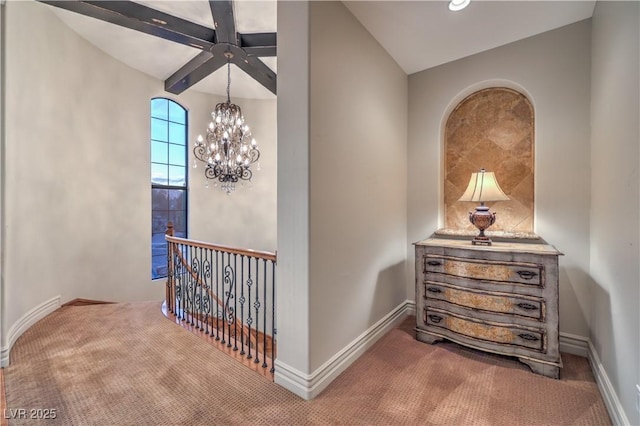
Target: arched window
{"type": "Point", "coordinates": [168, 178]}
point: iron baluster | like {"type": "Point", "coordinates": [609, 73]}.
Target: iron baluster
{"type": "Point", "coordinates": [264, 315]}
{"type": "Point", "coordinates": [200, 303]}
{"type": "Point", "coordinates": [242, 352]}
{"type": "Point", "coordinates": [273, 314]}
{"type": "Point", "coordinates": [235, 303]}
{"type": "Point", "coordinates": [256, 304]}
{"type": "Point", "coordinates": [249, 318]}
{"type": "Point", "coordinates": [217, 322]}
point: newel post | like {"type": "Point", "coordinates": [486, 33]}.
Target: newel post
{"type": "Point", "coordinates": [170, 290]}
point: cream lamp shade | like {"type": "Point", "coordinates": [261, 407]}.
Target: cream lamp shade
{"type": "Point", "coordinates": [483, 186]}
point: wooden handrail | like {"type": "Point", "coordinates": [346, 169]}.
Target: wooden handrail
{"type": "Point", "coordinates": [267, 255]}
{"type": "Point", "coordinates": [248, 331]}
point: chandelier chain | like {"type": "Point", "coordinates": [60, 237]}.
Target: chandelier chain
{"type": "Point", "coordinates": [228, 81]}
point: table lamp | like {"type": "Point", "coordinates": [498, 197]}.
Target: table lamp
{"type": "Point", "coordinates": [483, 186]}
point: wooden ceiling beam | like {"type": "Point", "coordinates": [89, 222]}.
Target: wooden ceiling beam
{"type": "Point", "coordinates": [246, 48]}
{"type": "Point", "coordinates": [259, 44]}
{"type": "Point", "coordinates": [193, 71]}
{"type": "Point", "coordinates": [224, 21]}
{"type": "Point", "coordinates": [141, 18]}
{"type": "Point", "coordinates": [258, 70]}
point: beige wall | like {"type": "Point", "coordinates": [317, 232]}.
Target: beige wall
{"type": "Point", "coordinates": [357, 234]}
{"type": "Point", "coordinates": [552, 70]}
{"type": "Point", "coordinates": [615, 196]}
{"type": "Point", "coordinates": [77, 174]}
{"type": "Point", "coordinates": [293, 194]}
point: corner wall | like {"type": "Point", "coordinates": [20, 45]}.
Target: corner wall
{"type": "Point", "coordinates": [615, 195]}
{"type": "Point", "coordinates": [358, 132]}
{"type": "Point", "coordinates": [552, 69]}
{"type": "Point", "coordinates": [342, 108]}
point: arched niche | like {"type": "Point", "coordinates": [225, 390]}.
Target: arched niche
{"type": "Point", "coordinates": [492, 129]}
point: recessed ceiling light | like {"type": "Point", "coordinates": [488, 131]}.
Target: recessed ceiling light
{"type": "Point", "coordinates": [456, 5]}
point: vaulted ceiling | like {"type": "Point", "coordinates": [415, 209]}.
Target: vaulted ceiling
{"type": "Point", "coordinates": [417, 34]}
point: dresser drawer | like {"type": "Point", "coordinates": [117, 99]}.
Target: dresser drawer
{"type": "Point", "coordinates": [487, 301]}
{"type": "Point", "coordinates": [486, 270]}
{"type": "Point", "coordinates": [505, 335]}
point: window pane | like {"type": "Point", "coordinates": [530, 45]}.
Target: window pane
{"type": "Point", "coordinates": [159, 221]}
{"type": "Point", "coordinates": [160, 108]}
{"type": "Point", "coordinates": [159, 130]}
{"type": "Point", "coordinates": [177, 133]}
{"type": "Point", "coordinates": [177, 176]}
{"type": "Point", "coordinates": [177, 114]}
{"type": "Point", "coordinates": [159, 174]}
{"type": "Point", "coordinates": [179, 219]}
{"type": "Point", "coordinates": [177, 199]}
{"type": "Point", "coordinates": [177, 155]}
{"type": "Point", "coordinates": [159, 152]}
{"type": "Point", "coordinates": [168, 168]}
{"type": "Point", "coordinates": [158, 267]}
{"type": "Point", "coordinates": [159, 199]}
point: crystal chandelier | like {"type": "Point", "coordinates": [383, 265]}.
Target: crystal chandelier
{"type": "Point", "coordinates": [228, 150]}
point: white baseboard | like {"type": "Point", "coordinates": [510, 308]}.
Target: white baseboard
{"type": "Point", "coordinates": [574, 344]}
{"type": "Point", "coordinates": [23, 324]}
{"type": "Point", "coordinates": [308, 386]}
{"type": "Point", "coordinates": [609, 395]}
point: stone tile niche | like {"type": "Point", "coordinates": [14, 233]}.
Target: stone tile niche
{"type": "Point", "coordinates": [491, 129]}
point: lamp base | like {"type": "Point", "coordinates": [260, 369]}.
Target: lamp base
{"type": "Point", "coordinates": [482, 218]}
{"type": "Point", "coordinates": [481, 241]}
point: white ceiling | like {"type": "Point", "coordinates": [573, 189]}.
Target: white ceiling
{"type": "Point", "coordinates": [417, 34]}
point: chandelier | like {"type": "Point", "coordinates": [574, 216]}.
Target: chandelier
{"type": "Point", "coordinates": [228, 150]}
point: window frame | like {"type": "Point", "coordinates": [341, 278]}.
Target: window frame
{"type": "Point", "coordinates": [168, 186]}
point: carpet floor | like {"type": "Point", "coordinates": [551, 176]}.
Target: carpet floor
{"type": "Point", "coordinates": [126, 364]}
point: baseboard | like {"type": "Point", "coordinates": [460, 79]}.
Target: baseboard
{"type": "Point", "coordinates": [85, 302]}
{"type": "Point", "coordinates": [308, 386]}
{"type": "Point", "coordinates": [609, 395]}
{"type": "Point", "coordinates": [23, 324]}
{"type": "Point", "coordinates": [574, 344]}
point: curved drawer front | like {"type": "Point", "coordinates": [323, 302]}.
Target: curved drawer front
{"type": "Point", "coordinates": [503, 303]}
{"type": "Point", "coordinates": [502, 334]}
{"type": "Point", "coordinates": [513, 272]}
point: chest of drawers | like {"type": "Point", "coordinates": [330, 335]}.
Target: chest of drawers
{"type": "Point", "coordinates": [501, 298]}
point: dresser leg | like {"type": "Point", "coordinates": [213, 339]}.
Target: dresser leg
{"type": "Point", "coordinates": [542, 368]}
{"type": "Point", "coordinates": [427, 338]}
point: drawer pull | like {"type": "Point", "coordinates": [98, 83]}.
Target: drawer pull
{"type": "Point", "coordinates": [434, 263]}
{"type": "Point", "coordinates": [527, 306]}
{"type": "Point", "coordinates": [434, 290]}
{"type": "Point", "coordinates": [435, 318]}
{"type": "Point", "coordinates": [527, 336]}
{"type": "Point", "coordinates": [526, 275]}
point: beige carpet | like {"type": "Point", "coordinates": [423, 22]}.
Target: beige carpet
{"type": "Point", "coordinates": [125, 364]}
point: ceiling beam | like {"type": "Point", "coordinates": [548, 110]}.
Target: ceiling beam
{"type": "Point", "coordinates": [258, 70]}
{"type": "Point", "coordinates": [259, 44]}
{"type": "Point", "coordinates": [141, 18]}
{"type": "Point", "coordinates": [193, 71]}
{"type": "Point", "coordinates": [224, 21]}
{"type": "Point", "coordinates": [214, 43]}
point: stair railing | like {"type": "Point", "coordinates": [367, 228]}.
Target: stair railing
{"type": "Point", "coordinates": [227, 292]}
